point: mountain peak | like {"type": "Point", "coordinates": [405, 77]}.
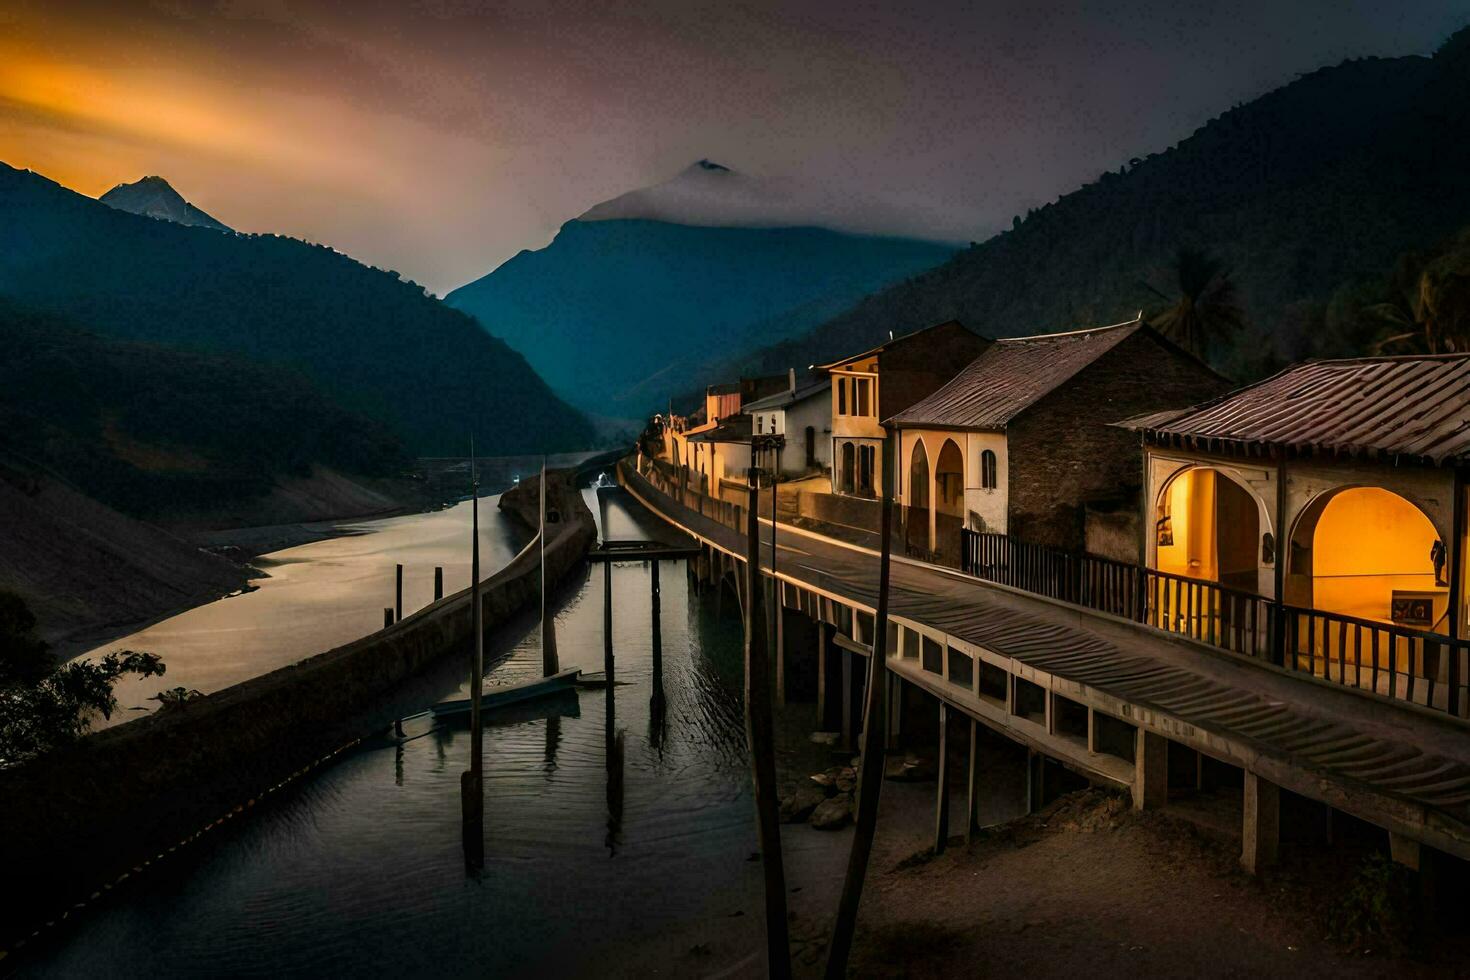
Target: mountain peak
{"type": "Point", "coordinates": [154, 197]}
{"type": "Point", "coordinates": [710, 194]}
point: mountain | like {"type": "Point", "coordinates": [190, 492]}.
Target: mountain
{"type": "Point", "coordinates": [153, 197]}
{"type": "Point", "coordinates": [1301, 193]}
{"type": "Point", "coordinates": [639, 289]}
{"type": "Point", "coordinates": [176, 436]}
{"type": "Point", "coordinates": [373, 343]}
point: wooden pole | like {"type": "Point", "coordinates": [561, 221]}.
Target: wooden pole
{"type": "Point", "coordinates": [972, 805]}
{"type": "Point", "coordinates": [397, 593]}
{"type": "Point", "coordinates": [822, 631]}
{"type": "Point", "coordinates": [846, 700]}
{"type": "Point", "coordinates": [870, 771]}
{"type": "Point", "coordinates": [472, 798]}
{"type": "Point", "coordinates": [549, 664]}
{"type": "Point", "coordinates": [759, 736]}
{"type": "Point", "coordinates": [387, 616]}
{"type": "Point", "coordinates": [657, 637]}
{"type": "Point", "coordinates": [438, 582]}
{"type": "Point", "coordinates": [941, 791]}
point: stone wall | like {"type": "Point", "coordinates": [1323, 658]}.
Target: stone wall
{"type": "Point", "coordinates": [1064, 452]}
{"type": "Point", "coordinates": [81, 816]}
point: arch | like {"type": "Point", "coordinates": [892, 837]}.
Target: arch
{"type": "Point", "coordinates": [916, 524]}
{"type": "Point", "coordinates": [1212, 529]}
{"type": "Point", "coordinates": [918, 482]}
{"type": "Point", "coordinates": [949, 480]}
{"type": "Point", "coordinates": [1354, 546]}
{"type": "Point", "coordinates": [988, 479]}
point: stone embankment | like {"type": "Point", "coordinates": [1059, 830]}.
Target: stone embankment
{"type": "Point", "coordinates": [85, 817]}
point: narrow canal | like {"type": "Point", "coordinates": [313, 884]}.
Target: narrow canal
{"type": "Point", "coordinates": [610, 839]}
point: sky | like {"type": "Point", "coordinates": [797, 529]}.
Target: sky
{"type": "Point", "coordinates": [440, 137]}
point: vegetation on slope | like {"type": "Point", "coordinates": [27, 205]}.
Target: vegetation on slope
{"type": "Point", "coordinates": [378, 345]}
{"type": "Point", "coordinates": [1317, 186]}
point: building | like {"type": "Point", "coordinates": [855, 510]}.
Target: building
{"type": "Point", "coordinates": [1335, 486]}
{"type": "Point", "coordinates": [1019, 441]}
{"type": "Point", "coordinates": [878, 384]}
{"type": "Point", "coordinates": [793, 428]}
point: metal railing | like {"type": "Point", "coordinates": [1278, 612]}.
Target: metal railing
{"type": "Point", "coordinates": [1426, 668]}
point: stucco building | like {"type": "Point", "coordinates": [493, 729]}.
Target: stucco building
{"type": "Point", "coordinates": [881, 382]}
{"type": "Point", "coordinates": [1020, 440]}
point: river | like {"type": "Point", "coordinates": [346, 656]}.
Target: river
{"type": "Point", "coordinates": [619, 838]}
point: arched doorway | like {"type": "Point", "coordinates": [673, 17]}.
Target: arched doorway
{"type": "Point", "coordinates": [949, 500]}
{"type": "Point", "coordinates": [845, 483]}
{"type": "Point", "coordinates": [916, 527]}
{"type": "Point", "coordinates": [1355, 549]}
{"type": "Point", "coordinates": [1208, 527]}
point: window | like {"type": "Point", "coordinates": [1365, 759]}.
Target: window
{"type": "Point", "coordinates": [866, 455]}
{"type": "Point", "coordinates": [987, 470]}
{"type": "Point", "coordinates": [860, 396]}
{"type": "Point", "coordinates": [841, 396]}
{"type": "Point", "coordinates": [760, 424]}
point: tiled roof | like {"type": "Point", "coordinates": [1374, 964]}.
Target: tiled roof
{"type": "Point", "coordinates": [732, 428]}
{"type": "Point", "coordinates": [1415, 407]}
{"type": "Point", "coordinates": [912, 335]}
{"type": "Point", "coordinates": [784, 398]}
{"type": "Point", "coordinates": [1010, 376]}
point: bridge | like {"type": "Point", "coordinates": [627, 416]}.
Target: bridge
{"type": "Point", "coordinates": [1104, 696]}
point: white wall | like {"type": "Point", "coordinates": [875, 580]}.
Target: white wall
{"type": "Point", "coordinates": [991, 506]}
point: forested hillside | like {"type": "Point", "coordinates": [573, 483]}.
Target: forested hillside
{"type": "Point", "coordinates": [1306, 196]}
{"type": "Point", "coordinates": [377, 345]}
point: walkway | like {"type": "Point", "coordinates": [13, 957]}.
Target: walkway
{"type": "Point", "coordinates": [1402, 768]}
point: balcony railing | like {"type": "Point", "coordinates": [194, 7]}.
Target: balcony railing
{"type": "Point", "coordinates": [1426, 668]}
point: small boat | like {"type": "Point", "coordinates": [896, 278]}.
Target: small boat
{"type": "Point", "coordinates": [501, 695]}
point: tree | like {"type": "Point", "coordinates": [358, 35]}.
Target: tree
{"type": "Point", "coordinates": [1205, 314]}
{"type": "Point", "coordinates": [44, 704]}
{"type": "Point", "coordinates": [1428, 309]}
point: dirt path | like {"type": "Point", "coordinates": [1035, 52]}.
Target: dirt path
{"type": "Point", "coordinates": [1089, 887]}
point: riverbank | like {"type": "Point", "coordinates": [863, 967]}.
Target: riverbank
{"type": "Point", "coordinates": [85, 816]}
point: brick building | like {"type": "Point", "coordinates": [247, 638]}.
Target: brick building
{"type": "Point", "coordinates": [1020, 442]}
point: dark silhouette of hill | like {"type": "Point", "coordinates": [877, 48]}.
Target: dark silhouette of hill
{"type": "Point", "coordinates": [155, 197]}
{"type": "Point", "coordinates": [157, 432]}
{"type": "Point", "coordinates": [378, 345]}
{"type": "Point", "coordinates": [1298, 193]}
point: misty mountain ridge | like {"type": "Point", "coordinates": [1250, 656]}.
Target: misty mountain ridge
{"type": "Point", "coordinates": [1303, 194]}
{"type": "Point", "coordinates": [645, 286]}
{"type": "Point", "coordinates": [154, 197]}
{"type": "Point", "coordinates": [707, 193]}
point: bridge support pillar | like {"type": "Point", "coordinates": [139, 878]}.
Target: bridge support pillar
{"type": "Point", "coordinates": [1260, 829]}
{"type": "Point", "coordinates": [846, 700]}
{"type": "Point", "coordinates": [941, 793]}
{"type": "Point", "coordinates": [972, 805]}
{"type": "Point", "coordinates": [1150, 770]}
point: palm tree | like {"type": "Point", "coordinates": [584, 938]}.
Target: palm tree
{"type": "Point", "coordinates": [1430, 309]}
{"type": "Point", "coordinates": [1204, 311]}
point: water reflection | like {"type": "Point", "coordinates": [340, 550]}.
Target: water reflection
{"type": "Point", "coordinates": [316, 597]}
{"type": "Point", "coordinates": [613, 819]}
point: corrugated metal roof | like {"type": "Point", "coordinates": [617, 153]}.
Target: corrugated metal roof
{"type": "Point", "coordinates": [784, 398]}
{"type": "Point", "coordinates": [1415, 407]}
{"type": "Point", "coordinates": [1010, 376]}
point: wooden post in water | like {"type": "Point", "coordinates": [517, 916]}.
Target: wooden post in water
{"type": "Point", "coordinates": [760, 738]}
{"type": "Point", "coordinates": [438, 582]}
{"type": "Point", "coordinates": [397, 593]}
{"type": "Point", "coordinates": [657, 700]}
{"type": "Point", "coordinates": [387, 616]}
{"type": "Point", "coordinates": [549, 664]}
{"type": "Point", "coordinates": [870, 771]}
{"type": "Point", "coordinates": [472, 797]}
